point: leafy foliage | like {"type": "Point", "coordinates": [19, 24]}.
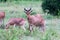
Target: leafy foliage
{"type": "Point", "coordinates": [52, 5]}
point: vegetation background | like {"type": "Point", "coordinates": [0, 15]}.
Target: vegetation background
{"type": "Point", "coordinates": [15, 9]}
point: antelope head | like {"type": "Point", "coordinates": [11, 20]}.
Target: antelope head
{"type": "Point", "coordinates": [27, 11]}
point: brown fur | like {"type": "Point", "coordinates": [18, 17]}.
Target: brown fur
{"type": "Point", "coordinates": [2, 16]}
{"type": "Point", "coordinates": [16, 22]}
{"type": "Point", "coordinates": [35, 20]}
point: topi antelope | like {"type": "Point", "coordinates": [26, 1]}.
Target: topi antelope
{"type": "Point", "coordinates": [2, 16]}
{"type": "Point", "coordinates": [16, 22]}
{"type": "Point", "coordinates": [35, 20]}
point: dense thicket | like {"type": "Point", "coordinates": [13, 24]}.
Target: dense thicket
{"type": "Point", "coordinates": [52, 5]}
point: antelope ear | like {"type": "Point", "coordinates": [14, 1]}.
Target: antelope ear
{"type": "Point", "coordinates": [31, 10]}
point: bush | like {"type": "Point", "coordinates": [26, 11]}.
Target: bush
{"type": "Point", "coordinates": [3, 0]}
{"type": "Point", "coordinates": [52, 5]}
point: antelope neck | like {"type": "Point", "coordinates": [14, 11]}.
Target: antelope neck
{"type": "Point", "coordinates": [28, 15]}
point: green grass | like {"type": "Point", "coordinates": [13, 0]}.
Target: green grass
{"type": "Point", "coordinates": [16, 10]}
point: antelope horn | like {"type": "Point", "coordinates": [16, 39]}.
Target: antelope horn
{"type": "Point", "coordinates": [25, 9]}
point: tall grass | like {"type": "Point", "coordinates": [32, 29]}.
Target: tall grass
{"type": "Point", "coordinates": [17, 0]}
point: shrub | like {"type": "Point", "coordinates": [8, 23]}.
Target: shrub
{"type": "Point", "coordinates": [52, 5]}
{"type": "Point", "coordinates": [3, 0]}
